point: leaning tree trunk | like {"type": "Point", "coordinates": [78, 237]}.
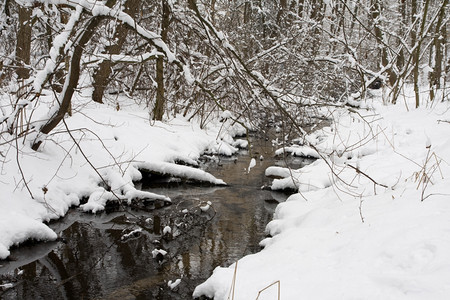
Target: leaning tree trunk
{"type": "Point", "coordinates": [71, 81]}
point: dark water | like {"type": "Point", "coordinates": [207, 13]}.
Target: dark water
{"type": "Point", "coordinates": [109, 255]}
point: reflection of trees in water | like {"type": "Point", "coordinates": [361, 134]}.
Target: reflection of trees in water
{"type": "Point", "coordinates": [97, 261]}
{"type": "Point", "coordinates": [94, 260]}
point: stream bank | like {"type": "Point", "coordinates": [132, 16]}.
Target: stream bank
{"type": "Point", "coordinates": [112, 255]}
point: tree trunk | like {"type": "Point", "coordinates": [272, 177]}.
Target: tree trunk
{"type": "Point", "coordinates": [6, 12]}
{"type": "Point", "coordinates": [438, 42]}
{"type": "Point", "coordinates": [317, 10]}
{"type": "Point", "coordinates": [375, 11]}
{"type": "Point", "coordinates": [417, 44]}
{"type": "Point", "coordinates": [58, 78]}
{"type": "Point", "coordinates": [213, 12]}
{"type": "Point", "coordinates": [401, 55]}
{"type": "Point", "coordinates": [247, 12]}
{"type": "Point", "coordinates": [300, 8]}
{"type": "Point", "coordinates": [158, 111]}
{"type": "Point", "coordinates": [281, 12]}
{"type": "Point", "coordinates": [103, 72]}
{"type": "Point", "coordinates": [23, 43]}
{"type": "Point", "coordinates": [71, 80]}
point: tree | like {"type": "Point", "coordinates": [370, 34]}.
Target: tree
{"type": "Point", "coordinates": [23, 42]}
{"type": "Point", "coordinates": [375, 13]}
{"type": "Point", "coordinates": [71, 81]}
{"type": "Point", "coordinates": [158, 111]}
{"type": "Point", "coordinates": [102, 73]}
{"type": "Point", "coordinates": [326, 51]}
{"type": "Point", "coordinates": [439, 42]}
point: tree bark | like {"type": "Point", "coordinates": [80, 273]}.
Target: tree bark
{"type": "Point", "coordinates": [158, 111]}
{"type": "Point", "coordinates": [375, 11]}
{"type": "Point", "coordinates": [438, 42]}
{"type": "Point", "coordinates": [281, 12]}
{"type": "Point", "coordinates": [416, 53]}
{"type": "Point", "coordinates": [23, 43]}
{"type": "Point", "coordinates": [213, 11]}
{"type": "Point", "coordinates": [300, 8]}
{"type": "Point", "coordinates": [5, 8]}
{"type": "Point", "coordinates": [401, 56]}
{"type": "Point", "coordinates": [72, 77]}
{"type": "Point", "coordinates": [247, 12]}
{"type": "Point", "coordinates": [317, 10]}
{"type": "Point", "coordinates": [103, 72]}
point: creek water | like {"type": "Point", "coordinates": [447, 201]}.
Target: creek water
{"type": "Point", "coordinates": [109, 255]}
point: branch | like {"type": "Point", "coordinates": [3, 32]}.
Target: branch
{"type": "Point", "coordinates": [358, 171]}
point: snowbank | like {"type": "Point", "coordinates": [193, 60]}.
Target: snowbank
{"type": "Point", "coordinates": [369, 222]}
{"type": "Point", "coordinates": [116, 143]}
{"type": "Point", "coordinates": [298, 150]}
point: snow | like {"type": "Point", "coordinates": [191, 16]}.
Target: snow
{"type": "Point", "coordinates": [297, 150]}
{"type": "Point", "coordinates": [155, 252]}
{"type": "Point", "coordinates": [59, 42]}
{"type": "Point", "coordinates": [6, 286]}
{"type": "Point", "coordinates": [251, 165]}
{"type": "Point", "coordinates": [226, 115]}
{"type": "Point", "coordinates": [370, 220]}
{"type": "Point", "coordinates": [188, 75]}
{"type": "Point", "coordinates": [278, 172]}
{"type": "Point", "coordinates": [115, 58]}
{"type": "Point", "coordinates": [98, 8]}
{"type": "Point", "coordinates": [174, 284]}
{"type": "Point", "coordinates": [306, 179]}
{"type": "Point", "coordinates": [206, 206]}
{"type": "Point", "coordinates": [167, 230]}
{"type": "Point", "coordinates": [241, 144]}
{"type": "Point", "coordinates": [131, 233]}
{"type": "Point", "coordinates": [118, 143]}
{"type": "Point", "coordinates": [181, 171]}
{"type": "Point", "coordinates": [17, 227]}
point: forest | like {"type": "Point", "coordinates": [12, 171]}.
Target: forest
{"type": "Point", "coordinates": [93, 94]}
{"type": "Point", "coordinates": [193, 57]}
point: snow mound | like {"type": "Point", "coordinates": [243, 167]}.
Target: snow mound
{"type": "Point", "coordinates": [17, 227]}
{"type": "Point", "coordinates": [297, 150]}
{"type": "Point", "coordinates": [314, 176]}
{"type": "Point", "coordinates": [180, 171]}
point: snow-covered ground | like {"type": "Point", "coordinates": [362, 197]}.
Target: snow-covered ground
{"type": "Point", "coordinates": [371, 219]}
{"type": "Point", "coordinates": [117, 143]}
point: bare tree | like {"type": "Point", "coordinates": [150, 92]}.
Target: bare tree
{"type": "Point", "coordinates": [102, 73]}
{"type": "Point", "coordinates": [23, 43]}
{"type": "Point", "coordinates": [158, 111]}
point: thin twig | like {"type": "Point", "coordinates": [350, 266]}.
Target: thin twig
{"type": "Point", "coordinates": [360, 209]}
{"type": "Point", "coordinates": [279, 289]}
{"type": "Point", "coordinates": [20, 167]}
{"type": "Point", "coordinates": [367, 176]}
{"type": "Point", "coordinates": [233, 282]}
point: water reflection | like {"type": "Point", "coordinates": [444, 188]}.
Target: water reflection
{"type": "Point", "coordinates": [109, 256]}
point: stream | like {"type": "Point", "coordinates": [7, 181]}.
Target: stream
{"type": "Point", "coordinates": [112, 255]}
